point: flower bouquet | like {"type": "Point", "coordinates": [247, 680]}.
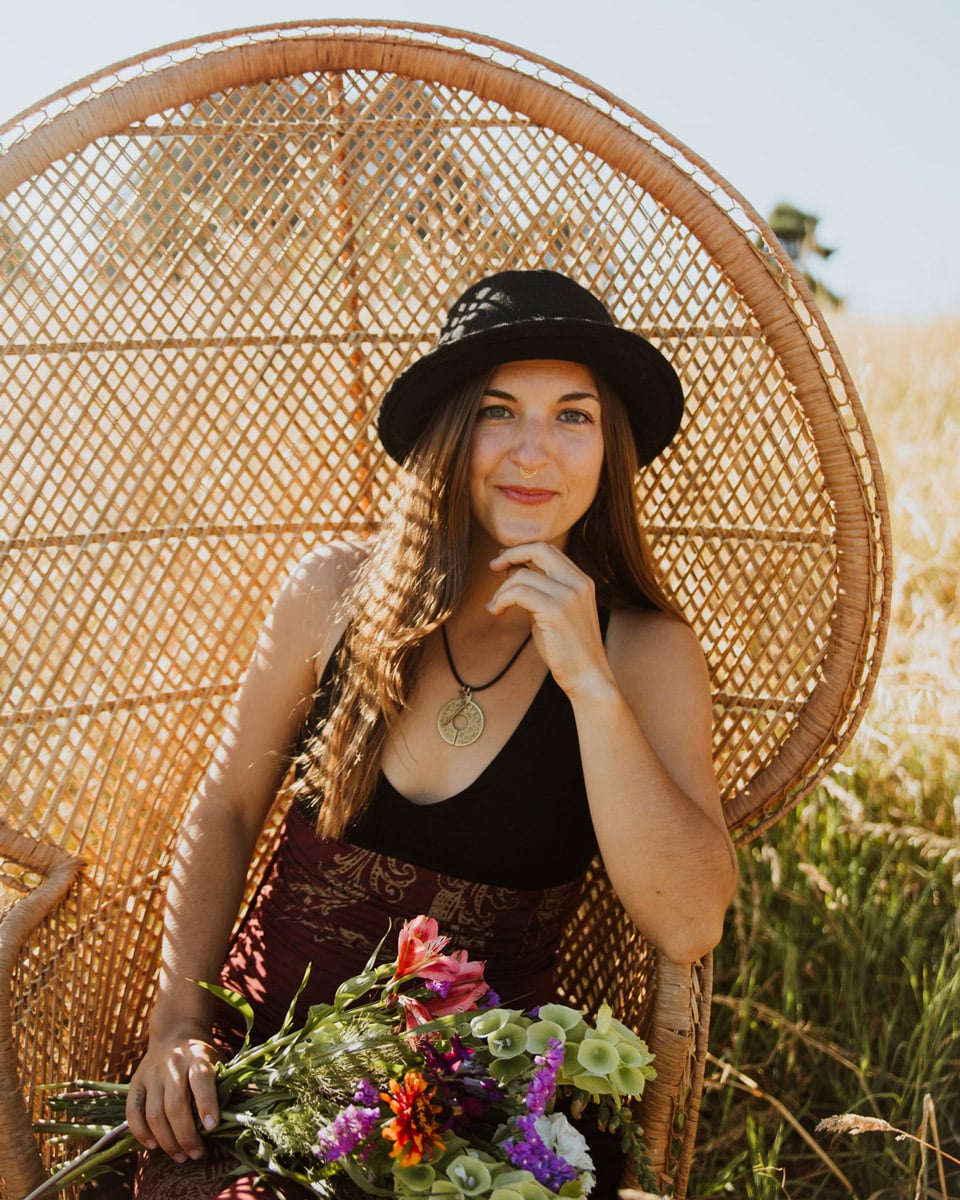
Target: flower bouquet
{"type": "Point", "coordinates": [412, 1083]}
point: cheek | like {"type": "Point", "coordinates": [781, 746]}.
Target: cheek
{"type": "Point", "coordinates": [478, 464]}
{"type": "Point", "coordinates": [485, 451]}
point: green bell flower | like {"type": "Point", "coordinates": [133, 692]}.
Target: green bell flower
{"type": "Point", "coordinates": [629, 1081]}
{"type": "Point", "coordinates": [469, 1174]}
{"type": "Point", "coordinates": [563, 1015]}
{"type": "Point", "coordinates": [540, 1033]}
{"type": "Point", "coordinates": [490, 1021]}
{"type": "Point", "coordinates": [508, 1041]}
{"type": "Point", "coordinates": [532, 1191]}
{"type": "Point", "coordinates": [597, 1057]}
{"type": "Point", "coordinates": [593, 1085]}
{"type": "Point", "coordinates": [633, 1056]}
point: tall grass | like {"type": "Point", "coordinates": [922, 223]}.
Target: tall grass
{"type": "Point", "coordinates": [838, 981]}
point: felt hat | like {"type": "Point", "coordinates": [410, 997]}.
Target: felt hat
{"type": "Point", "coordinates": [517, 315]}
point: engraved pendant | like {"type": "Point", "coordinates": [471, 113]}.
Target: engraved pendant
{"type": "Point", "coordinates": [460, 721]}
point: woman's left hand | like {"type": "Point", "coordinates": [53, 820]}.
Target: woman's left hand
{"type": "Point", "coordinates": [561, 601]}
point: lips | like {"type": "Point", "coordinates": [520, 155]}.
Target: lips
{"type": "Point", "coordinates": [526, 495]}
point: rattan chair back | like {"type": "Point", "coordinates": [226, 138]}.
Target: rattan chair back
{"type": "Point", "coordinates": [214, 259]}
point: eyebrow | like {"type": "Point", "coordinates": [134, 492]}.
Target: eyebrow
{"type": "Point", "coordinates": [501, 395]}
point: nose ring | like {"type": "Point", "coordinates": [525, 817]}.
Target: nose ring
{"type": "Point", "coordinates": [527, 474]}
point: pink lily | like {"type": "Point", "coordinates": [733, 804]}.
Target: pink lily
{"type": "Point", "coordinates": [458, 992]}
{"type": "Point", "coordinates": [456, 981]}
{"type": "Point", "coordinates": [414, 1012]}
{"type": "Point", "coordinates": [419, 948]}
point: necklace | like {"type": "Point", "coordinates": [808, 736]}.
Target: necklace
{"type": "Point", "coordinates": [460, 721]}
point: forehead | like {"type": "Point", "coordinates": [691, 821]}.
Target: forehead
{"type": "Point", "coordinates": [553, 374]}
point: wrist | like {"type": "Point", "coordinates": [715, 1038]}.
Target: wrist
{"type": "Point", "coordinates": [597, 688]}
{"type": "Point", "coordinates": [176, 1027]}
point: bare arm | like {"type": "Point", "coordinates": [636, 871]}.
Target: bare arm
{"type": "Point", "coordinates": [642, 707]}
{"type": "Point", "coordinates": [646, 746]}
{"type": "Point", "coordinates": [213, 852]}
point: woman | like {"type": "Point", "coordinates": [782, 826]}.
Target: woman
{"type": "Point", "coordinates": [477, 703]}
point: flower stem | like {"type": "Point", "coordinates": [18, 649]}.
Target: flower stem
{"type": "Point", "coordinates": [118, 1141]}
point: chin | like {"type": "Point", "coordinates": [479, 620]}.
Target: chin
{"type": "Point", "coordinates": [514, 534]}
{"type": "Point", "coordinates": [522, 537]}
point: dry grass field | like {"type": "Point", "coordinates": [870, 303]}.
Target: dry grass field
{"type": "Point", "coordinates": [838, 990]}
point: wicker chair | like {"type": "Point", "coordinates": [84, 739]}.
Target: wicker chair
{"type": "Point", "coordinates": [213, 259]}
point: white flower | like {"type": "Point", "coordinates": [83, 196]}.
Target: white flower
{"type": "Point", "coordinates": [560, 1136]}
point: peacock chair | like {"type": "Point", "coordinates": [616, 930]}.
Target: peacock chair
{"type": "Point", "coordinates": [214, 258]}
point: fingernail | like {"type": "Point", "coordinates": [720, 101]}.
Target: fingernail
{"type": "Point", "coordinates": [209, 1121]}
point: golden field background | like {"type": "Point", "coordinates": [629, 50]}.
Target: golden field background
{"type": "Point", "coordinates": [837, 981]}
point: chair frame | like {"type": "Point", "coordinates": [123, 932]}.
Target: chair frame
{"type": "Point", "coordinates": [49, 873]}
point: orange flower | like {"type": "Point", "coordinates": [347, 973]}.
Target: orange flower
{"type": "Point", "coordinates": [414, 1128]}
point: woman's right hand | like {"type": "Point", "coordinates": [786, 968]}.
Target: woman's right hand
{"type": "Point", "coordinates": [174, 1084]}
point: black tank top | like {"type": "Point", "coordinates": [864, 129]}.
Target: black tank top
{"type": "Point", "coordinates": [524, 822]}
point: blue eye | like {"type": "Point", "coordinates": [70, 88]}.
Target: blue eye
{"type": "Point", "coordinates": [494, 412]}
{"type": "Point", "coordinates": [575, 416]}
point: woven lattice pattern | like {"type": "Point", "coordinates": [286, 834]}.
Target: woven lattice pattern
{"type": "Point", "coordinates": [214, 260]}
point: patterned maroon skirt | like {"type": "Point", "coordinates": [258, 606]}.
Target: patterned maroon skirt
{"type": "Point", "coordinates": [329, 904]}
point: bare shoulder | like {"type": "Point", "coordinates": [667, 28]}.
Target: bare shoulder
{"type": "Point", "coordinates": [326, 571]}
{"type": "Point", "coordinates": [653, 641]}
{"type": "Point", "coordinates": [307, 612]}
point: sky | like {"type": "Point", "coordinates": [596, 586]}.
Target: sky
{"type": "Point", "coordinates": [848, 109]}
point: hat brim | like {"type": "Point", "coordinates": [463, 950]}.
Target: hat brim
{"type": "Point", "coordinates": [638, 372]}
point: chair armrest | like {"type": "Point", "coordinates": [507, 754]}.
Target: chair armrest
{"type": "Point", "coordinates": [679, 1030]}
{"type": "Point", "coordinates": [43, 875]}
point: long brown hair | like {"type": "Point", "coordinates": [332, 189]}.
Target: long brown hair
{"type": "Point", "coordinates": [413, 578]}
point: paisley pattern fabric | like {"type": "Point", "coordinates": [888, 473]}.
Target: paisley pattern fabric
{"type": "Point", "coordinates": [329, 903]}
{"type": "Point", "coordinates": [160, 1178]}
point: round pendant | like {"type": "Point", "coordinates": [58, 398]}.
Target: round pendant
{"type": "Point", "coordinates": [460, 721]}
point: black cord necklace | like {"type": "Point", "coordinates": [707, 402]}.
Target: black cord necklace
{"type": "Point", "coordinates": [460, 721]}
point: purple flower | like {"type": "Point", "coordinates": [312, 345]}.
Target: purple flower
{"type": "Point", "coordinates": [439, 987]}
{"type": "Point", "coordinates": [351, 1125]}
{"type": "Point", "coordinates": [529, 1152]}
{"type": "Point", "coordinates": [465, 1088]}
{"type": "Point", "coordinates": [543, 1085]}
{"type": "Point", "coordinates": [446, 1062]}
{"type": "Point", "coordinates": [367, 1094]}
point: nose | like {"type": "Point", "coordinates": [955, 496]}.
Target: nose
{"type": "Point", "coordinates": [531, 449]}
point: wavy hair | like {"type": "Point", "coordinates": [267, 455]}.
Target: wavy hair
{"type": "Point", "coordinates": [413, 578]}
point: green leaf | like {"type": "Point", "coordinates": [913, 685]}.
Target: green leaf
{"type": "Point", "coordinates": [418, 1178]}
{"type": "Point", "coordinates": [505, 1070]}
{"type": "Point", "coordinates": [237, 1002]}
{"type": "Point", "coordinates": [291, 1011]}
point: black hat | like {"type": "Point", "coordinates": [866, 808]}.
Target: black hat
{"type": "Point", "coordinates": [534, 314]}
